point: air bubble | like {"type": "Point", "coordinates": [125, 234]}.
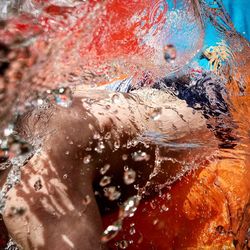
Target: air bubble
{"type": "Point", "coordinates": [18, 211]}
{"type": "Point", "coordinates": [164, 208]}
{"type": "Point", "coordinates": [111, 231]}
{"type": "Point", "coordinates": [9, 130]}
{"type": "Point", "coordinates": [104, 169]}
{"type": "Point", "coordinates": [124, 157]}
{"type": "Point", "coordinates": [105, 181]}
{"type": "Point", "coordinates": [123, 244]}
{"type": "Point", "coordinates": [129, 176]}
{"type": "Point", "coordinates": [129, 207]}
{"type": "Point", "coordinates": [169, 53]}
{"type": "Point", "coordinates": [140, 156]}
{"type": "Point", "coordinates": [126, 168]}
{"type": "Point", "coordinates": [96, 136]}
{"type": "Point", "coordinates": [107, 136]}
{"type": "Point", "coordinates": [38, 185]}
{"type": "Point", "coordinates": [112, 193]}
{"type": "Point", "coordinates": [86, 201]}
{"type": "Point", "coordinates": [87, 159]}
{"type": "Point", "coordinates": [100, 147]}
{"type": "Point", "coordinates": [115, 98]}
{"type": "Point", "coordinates": [132, 230]}
{"type": "Point", "coordinates": [156, 114]}
{"type": "Point", "coordinates": [117, 144]}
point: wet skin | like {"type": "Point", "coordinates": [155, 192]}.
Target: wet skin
{"type": "Point", "coordinates": [54, 205]}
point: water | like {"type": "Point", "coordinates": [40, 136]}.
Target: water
{"type": "Point", "coordinates": [176, 193]}
{"type": "Point", "coordinates": [129, 176]}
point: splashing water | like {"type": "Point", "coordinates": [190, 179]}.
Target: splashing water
{"type": "Point", "coordinates": [66, 43]}
{"type": "Point", "coordinates": [127, 209]}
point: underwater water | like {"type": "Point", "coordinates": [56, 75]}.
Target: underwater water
{"type": "Point", "coordinates": [175, 173]}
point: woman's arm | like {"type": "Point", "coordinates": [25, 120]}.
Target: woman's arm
{"type": "Point", "coordinates": [54, 205]}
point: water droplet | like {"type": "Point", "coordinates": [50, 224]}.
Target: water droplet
{"type": "Point", "coordinates": [129, 176]}
{"type": "Point", "coordinates": [17, 211]}
{"type": "Point", "coordinates": [126, 168]}
{"type": "Point", "coordinates": [38, 185]}
{"type": "Point", "coordinates": [105, 181]}
{"type": "Point", "coordinates": [100, 147]}
{"type": "Point", "coordinates": [88, 149]}
{"type": "Point", "coordinates": [155, 222]}
{"type": "Point", "coordinates": [107, 136]}
{"type": "Point", "coordinates": [129, 144]}
{"type": "Point", "coordinates": [111, 231]}
{"type": "Point", "coordinates": [156, 114]}
{"type": "Point", "coordinates": [115, 98]}
{"type": "Point", "coordinates": [129, 207]}
{"type": "Point", "coordinates": [9, 130]}
{"type": "Point", "coordinates": [152, 204]}
{"type": "Point", "coordinates": [132, 230]}
{"type": "Point", "coordinates": [124, 157]}
{"type": "Point", "coordinates": [40, 102]}
{"type": "Point", "coordinates": [104, 169]}
{"type": "Point", "coordinates": [117, 144]}
{"type": "Point", "coordinates": [140, 156]}
{"type": "Point", "coordinates": [169, 53]}
{"type": "Point", "coordinates": [168, 196]}
{"type": "Point", "coordinates": [112, 193]}
{"type": "Point", "coordinates": [96, 136]}
{"type": "Point", "coordinates": [61, 90]}
{"type": "Point", "coordinates": [123, 244]}
{"type": "Point", "coordinates": [87, 159]}
{"type": "Point", "coordinates": [65, 176]}
{"type": "Point", "coordinates": [134, 143]}
{"type": "Point", "coordinates": [86, 201]}
{"type": "Point", "coordinates": [164, 208]}
{"type": "Point", "coordinates": [220, 229]}
{"type": "Point", "coordinates": [67, 152]}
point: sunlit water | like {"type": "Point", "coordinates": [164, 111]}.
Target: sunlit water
{"type": "Point", "coordinates": [55, 45]}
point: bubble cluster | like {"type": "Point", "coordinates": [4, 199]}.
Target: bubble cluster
{"type": "Point", "coordinates": [127, 209]}
{"type": "Point", "coordinates": [140, 156]}
{"type": "Point", "coordinates": [123, 244]}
